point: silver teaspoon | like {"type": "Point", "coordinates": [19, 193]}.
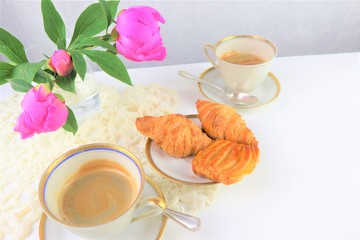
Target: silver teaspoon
{"type": "Point", "coordinates": [236, 98]}
{"type": "Point", "coordinates": [190, 222]}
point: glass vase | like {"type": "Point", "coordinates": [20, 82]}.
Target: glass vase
{"type": "Point", "coordinates": [86, 101]}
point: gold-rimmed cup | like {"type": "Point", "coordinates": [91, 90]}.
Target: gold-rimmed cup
{"type": "Point", "coordinates": [95, 191]}
{"type": "Point", "coordinates": [243, 61]}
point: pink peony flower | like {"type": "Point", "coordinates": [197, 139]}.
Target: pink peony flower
{"type": "Point", "coordinates": [60, 62]}
{"type": "Point", "coordinates": [42, 112]}
{"type": "Point", "coordinates": [139, 36]}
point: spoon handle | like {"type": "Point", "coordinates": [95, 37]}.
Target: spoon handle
{"type": "Point", "coordinates": [191, 223]}
{"type": "Point", "coordinates": [192, 77]}
{"type": "Point", "coordinates": [235, 98]}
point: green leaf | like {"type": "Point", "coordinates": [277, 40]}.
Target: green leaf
{"type": "Point", "coordinates": [113, 5]}
{"type": "Point", "coordinates": [67, 83]}
{"type": "Point", "coordinates": [11, 47]}
{"type": "Point", "coordinates": [40, 77]}
{"type": "Point", "coordinates": [44, 77]}
{"type": "Point", "coordinates": [79, 63]}
{"type": "Point", "coordinates": [110, 63]}
{"type": "Point", "coordinates": [53, 24]}
{"type": "Point", "coordinates": [94, 41]}
{"type": "Point", "coordinates": [89, 23]}
{"type": "Point", "coordinates": [5, 72]}
{"type": "Point", "coordinates": [59, 97]}
{"type": "Point", "coordinates": [107, 13]}
{"type": "Point", "coordinates": [27, 71]}
{"type": "Point", "coordinates": [71, 123]}
{"type": "Point", "coordinates": [20, 85]}
{"type": "Point", "coordinates": [112, 52]}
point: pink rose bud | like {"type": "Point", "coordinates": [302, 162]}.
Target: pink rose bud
{"type": "Point", "coordinates": [139, 36]}
{"type": "Point", "coordinates": [42, 112]}
{"type": "Point", "coordinates": [60, 62]}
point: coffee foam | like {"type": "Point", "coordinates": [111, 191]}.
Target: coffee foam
{"type": "Point", "coordinates": [98, 192]}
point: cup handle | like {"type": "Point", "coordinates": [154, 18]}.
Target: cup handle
{"type": "Point", "coordinates": [207, 54]}
{"type": "Point", "coordinates": [151, 212]}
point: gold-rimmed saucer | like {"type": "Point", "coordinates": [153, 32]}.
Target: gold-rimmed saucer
{"type": "Point", "coordinates": [150, 228]}
{"type": "Point", "coordinates": [175, 169]}
{"type": "Point", "coordinates": [267, 92]}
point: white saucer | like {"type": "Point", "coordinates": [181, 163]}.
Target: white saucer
{"type": "Point", "coordinates": [152, 228]}
{"type": "Point", "coordinates": [176, 169]}
{"type": "Point", "coordinates": [267, 92]}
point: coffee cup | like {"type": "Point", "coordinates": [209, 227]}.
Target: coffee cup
{"type": "Point", "coordinates": [243, 61]}
{"type": "Point", "coordinates": [95, 191]}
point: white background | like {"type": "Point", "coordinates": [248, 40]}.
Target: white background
{"type": "Point", "coordinates": [296, 27]}
{"type": "Point", "coordinates": [307, 184]}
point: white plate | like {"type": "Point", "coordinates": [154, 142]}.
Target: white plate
{"type": "Point", "coordinates": [152, 228]}
{"type": "Point", "coordinates": [176, 169]}
{"type": "Point", "coordinates": [267, 92]}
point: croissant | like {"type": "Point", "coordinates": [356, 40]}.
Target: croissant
{"type": "Point", "coordinates": [177, 135]}
{"type": "Point", "coordinates": [222, 122]}
{"type": "Point", "coordinates": [226, 161]}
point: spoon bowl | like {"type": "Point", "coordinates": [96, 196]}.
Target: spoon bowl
{"type": "Point", "coordinates": [236, 98]}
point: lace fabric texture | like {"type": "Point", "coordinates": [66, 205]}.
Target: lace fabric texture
{"type": "Point", "coordinates": [24, 161]}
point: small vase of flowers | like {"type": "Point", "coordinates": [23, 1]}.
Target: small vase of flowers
{"type": "Point", "coordinates": [101, 33]}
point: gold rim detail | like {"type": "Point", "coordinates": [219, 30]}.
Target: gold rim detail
{"type": "Point", "coordinates": [153, 185]}
{"type": "Point", "coordinates": [160, 194]}
{"type": "Point", "coordinates": [248, 36]}
{"type": "Point", "coordinates": [87, 147]}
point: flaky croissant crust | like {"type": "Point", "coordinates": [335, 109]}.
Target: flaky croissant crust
{"type": "Point", "coordinates": [222, 122]}
{"type": "Point", "coordinates": [226, 161]}
{"type": "Point", "coordinates": [177, 135]}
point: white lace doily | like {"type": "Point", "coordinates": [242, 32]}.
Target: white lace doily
{"type": "Point", "coordinates": [23, 161]}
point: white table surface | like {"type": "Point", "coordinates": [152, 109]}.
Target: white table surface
{"type": "Point", "coordinates": [307, 183]}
